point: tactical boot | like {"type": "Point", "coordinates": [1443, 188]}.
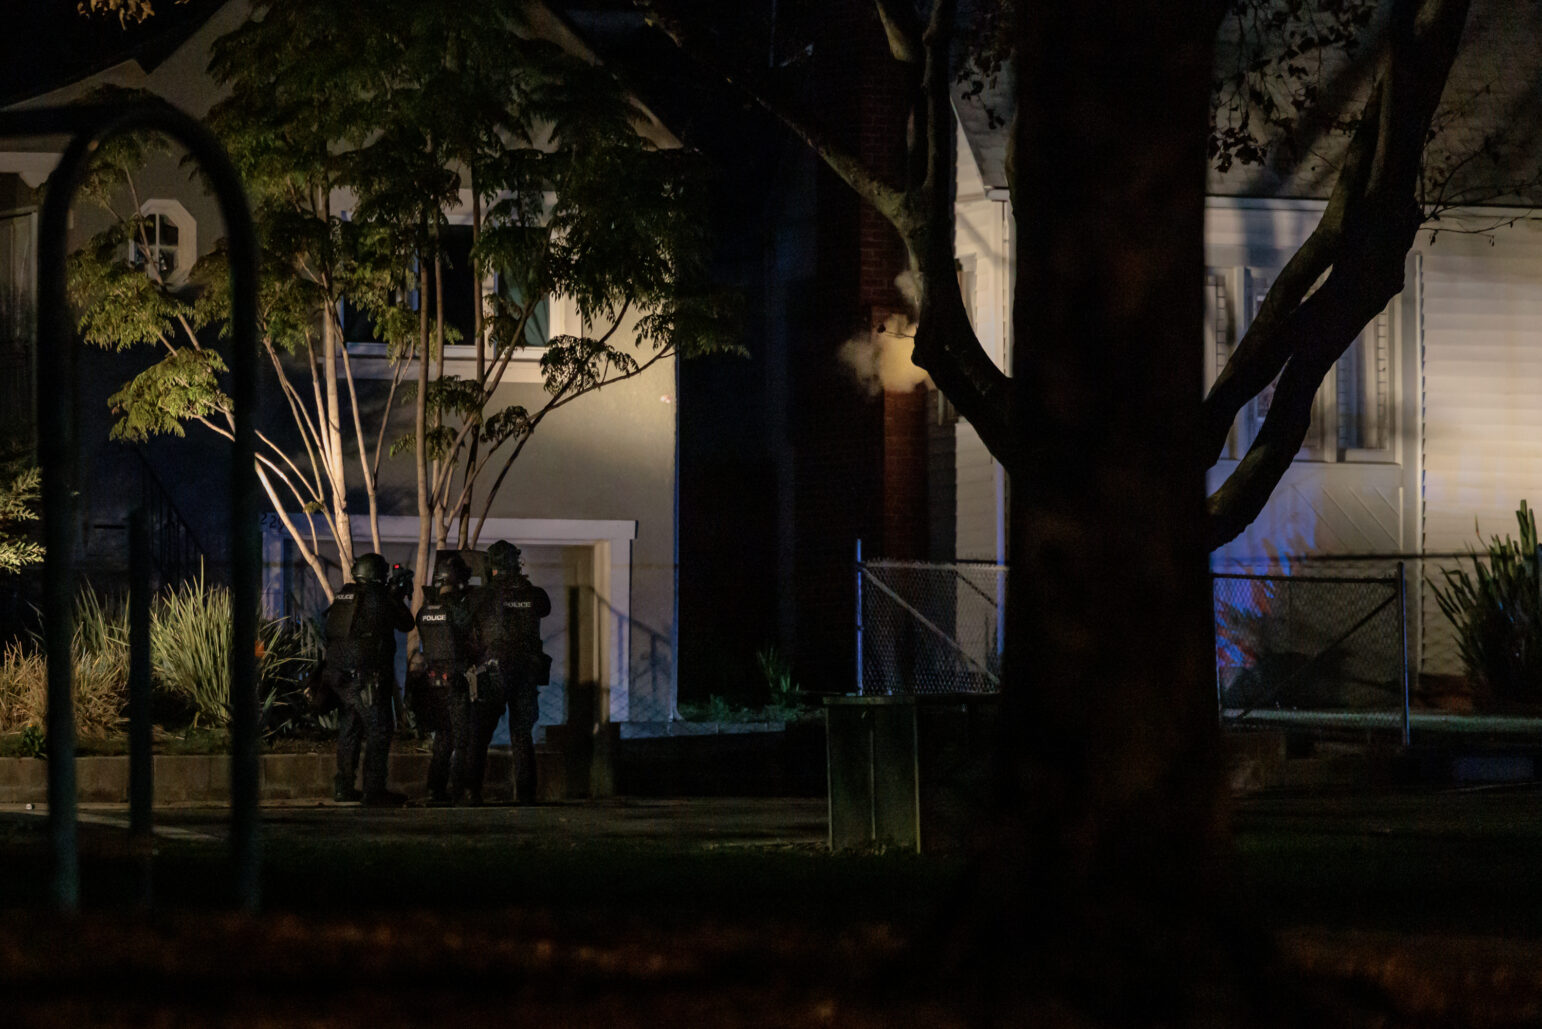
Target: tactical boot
{"type": "Point", "coordinates": [439, 798]}
{"type": "Point", "coordinates": [384, 798]}
{"type": "Point", "coordinates": [343, 791]}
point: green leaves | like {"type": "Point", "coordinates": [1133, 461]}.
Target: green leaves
{"type": "Point", "coordinates": [20, 491]}
{"type": "Point", "coordinates": [184, 385]}
{"type": "Point", "coordinates": [511, 423]}
{"type": "Point", "coordinates": [120, 305]}
{"type": "Point", "coordinates": [1497, 613]}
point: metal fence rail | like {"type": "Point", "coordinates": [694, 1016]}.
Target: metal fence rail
{"type": "Point", "coordinates": [1330, 644]}
{"type": "Point", "coordinates": [929, 628]}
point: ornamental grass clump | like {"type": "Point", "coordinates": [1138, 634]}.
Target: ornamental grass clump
{"type": "Point", "coordinates": [100, 654]}
{"type": "Point", "coordinates": [1497, 613]}
{"type": "Point", "coordinates": [190, 630]}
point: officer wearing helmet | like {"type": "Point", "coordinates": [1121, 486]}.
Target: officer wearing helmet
{"type": "Point", "coordinates": [506, 615]}
{"type": "Point", "coordinates": [361, 669]}
{"type": "Point", "coordinates": [440, 699]}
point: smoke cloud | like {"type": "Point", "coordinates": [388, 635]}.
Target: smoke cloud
{"type": "Point", "coordinates": [881, 360]}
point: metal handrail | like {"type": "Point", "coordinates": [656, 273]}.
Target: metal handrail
{"type": "Point", "coordinates": [89, 126]}
{"type": "Point", "coordinates": [177, 552]}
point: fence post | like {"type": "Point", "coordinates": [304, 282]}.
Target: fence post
{"type": "Point", "coordinates": [859, 617]}
{"type": "Point", "coordinates": [1215, 644]}
{"type": "Point", "coordinates": [141, 750]}
{"type": "Point", "coordinates": [1402, 622]}
{"type": "Point", "coordinates": [141, 785]}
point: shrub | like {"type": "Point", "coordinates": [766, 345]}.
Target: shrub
{"type": "Point", "coordinates": [190, 630]}
{"type": "Point", "coordinates": [1497, 613]}
{"type": "Point", "coordinates": [776, 669]}
{"type": "Point", "coordinates": [100, 654]}
{"type": "Point", "coordinates": [295, 648]}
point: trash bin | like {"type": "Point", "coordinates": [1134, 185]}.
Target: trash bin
{"type": "Point", "coordinates": [908, 772]}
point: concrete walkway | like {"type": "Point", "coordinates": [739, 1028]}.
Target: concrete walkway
{"type": "Point", "coordinates": [677, 823]}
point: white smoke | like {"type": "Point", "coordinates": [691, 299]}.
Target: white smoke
{"type": "Point", "coordinates": [881, 359]}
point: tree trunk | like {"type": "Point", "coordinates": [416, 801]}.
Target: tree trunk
{"type": "Point", "coordinates": [420, 450]}
{"type": "Point", "coordinates": [1102, 876]}
{"type": "Point", "coordinates": [479, 334]}
{"type": "Point", "coordinates": [332, 420]}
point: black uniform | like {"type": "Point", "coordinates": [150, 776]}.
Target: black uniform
{"type": "Point", "coordinates": [441, 701]}
{"type": "Point", "coordinates": [361, 669]}
{"type": "Point", "coordinates": [506, 618]}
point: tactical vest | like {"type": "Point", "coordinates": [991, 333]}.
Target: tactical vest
{"type": "Point", "coordinates": [521, 613]}
{"type": "Point", "coordinates": [509, 620]}
{"type": "Point", "coordinates": [339, 625]}
{"type": "Point", "coordinates": [360, 627]}
{"type": "Point", "coordinates": [342, 651]}
{"type": "Point", "coordinates": [444, 647]}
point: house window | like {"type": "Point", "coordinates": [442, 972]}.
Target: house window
{"type": "Point", "coordinates": [168, 241]}
{"type": "Point", "coordinates": [1353, 412]}
{"type": "Point", "coordinates": [459, 299]}
{"type": "Point", "coordinates": [538, 328]}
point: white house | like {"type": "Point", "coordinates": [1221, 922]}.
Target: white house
{"type": "Point", "coordinates": [591, 502]}
{"type": "Point", "coordinates": [1429, 426]}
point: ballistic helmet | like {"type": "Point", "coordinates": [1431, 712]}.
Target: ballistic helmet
{"type": "Point", "coordinates": [503, 558]}
{"type": "Point", "coordinates": [369, 568]}
{"type": "Point", "coordinates": [452, 571]}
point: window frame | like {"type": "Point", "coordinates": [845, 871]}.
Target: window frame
{"type": "Point", "coordinates": [187, 238]}
{"type": "Point", "coordinates": [1233, 297]}
{"type": "Point", "coordinates": [460, 358]}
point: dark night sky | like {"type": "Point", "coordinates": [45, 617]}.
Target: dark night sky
{"type": "Point", "coordinates": [47, 43]}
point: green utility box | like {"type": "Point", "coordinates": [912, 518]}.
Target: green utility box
{"type": "Point", "coordinates": [908, 772]}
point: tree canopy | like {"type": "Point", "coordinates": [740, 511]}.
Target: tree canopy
{"type": "Point", "coordinates": [357, 141]}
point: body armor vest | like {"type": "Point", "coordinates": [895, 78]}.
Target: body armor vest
{"type": "Point", "coordinates": [509, 620]}
{"type": "Point", "coordinates": [360, 626]}
{"type": "Point", "coordinates": [339, 625]}
{"type": "Point", "coordinates": [444, 641]}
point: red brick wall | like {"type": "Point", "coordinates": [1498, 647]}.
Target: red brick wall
{"type": "Point", "coordinates": [904, 474]}
{"type": "Point", "coordinates": [845, 465]}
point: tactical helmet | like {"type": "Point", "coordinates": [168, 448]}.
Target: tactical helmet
{"type": "Point", "coordinates": [369, 568]}
{"type": "Point", "coordinates": [503, 558]}
{"type": "Point", "coordinates": [452, 571]}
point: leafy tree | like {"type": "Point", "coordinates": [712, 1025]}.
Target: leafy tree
{"type": "Point", "coordinates": [402, 114]}
{"type": "Point", "coordinates": [309, 258]}
{"type": "Point", "coordinates": [20, 491]}
{"type": "Point", "coordinates": [125, 10]}
{"type": "Point", "coordinates": [570, 202]}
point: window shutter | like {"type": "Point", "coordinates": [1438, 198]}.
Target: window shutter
{"type": "Point", "coordinates": [1220, 325]}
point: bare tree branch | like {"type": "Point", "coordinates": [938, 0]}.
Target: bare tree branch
{"type": "Point", "coordinates": [1376, 216]}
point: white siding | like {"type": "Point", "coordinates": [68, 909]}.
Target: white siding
{"type": "Point", "coordinates": [1322, 508]}
{"type": "Point", "coordinates": [982, 241]}
{"type": "Point", "coordinates": [1482, 383]}
{"type": "Point", "coordinates": [1482, 398]}
{"type": "Point", "coordinates": [976, 485]}
{"type": "Point", "coordinates": [1338, 497]}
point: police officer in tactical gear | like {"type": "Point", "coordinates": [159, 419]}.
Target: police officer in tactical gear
{"type": "Point", "coordinates": [506, 617]}
{"type": "Point", "coordinates": [441, 700]}
{"type": "Point", "coordinates": [360, 668]}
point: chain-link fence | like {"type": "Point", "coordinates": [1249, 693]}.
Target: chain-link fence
{"type": "Point", "coordinates": [1352, 642]}
{"type": "Point", "coordinates": [925, 628]}
{"type": "Point", "coordinates": [1330, 645]}
{"type": "Point", "coordinates": [1438, 678]}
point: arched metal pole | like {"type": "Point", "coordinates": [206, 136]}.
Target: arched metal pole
{"type": "Point", "coordinates": [58, 385]}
